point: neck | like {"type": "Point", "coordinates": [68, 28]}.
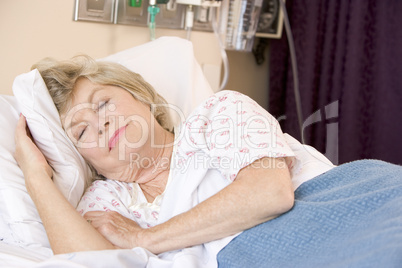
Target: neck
{"type": "Point", "coordinates": [154, 172]}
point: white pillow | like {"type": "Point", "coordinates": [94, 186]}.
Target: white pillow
{"type": "Point", "coordinates": [20, 223]}
{"type": "Point", "coordinates": [167, 63]}
{"type": "Point", "coordinates": [71, 173]}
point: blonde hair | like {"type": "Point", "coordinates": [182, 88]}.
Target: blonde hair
{"type": "Point", "coordinates": [61, 76]}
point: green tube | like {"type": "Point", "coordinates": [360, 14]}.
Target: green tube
{"type": "Point", "coordinates": [152, 10]}
{"type": "Point", "coordinates": [152, 30]}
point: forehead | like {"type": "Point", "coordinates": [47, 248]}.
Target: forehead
{"type": "Point", "coordinates": [83, 91]}
{"type": "Point", "coordinates": [86, 91]}
{"type": "Point", "coordinates": [81, 99]}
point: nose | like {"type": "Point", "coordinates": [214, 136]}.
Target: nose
{"type": "Point", "coordinates": [103, 128]}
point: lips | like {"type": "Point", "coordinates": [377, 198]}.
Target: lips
{"type": "Point", "coordinates": [116, 136]}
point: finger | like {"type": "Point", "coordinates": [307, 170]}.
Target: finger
{"type": "Point", "coordinates": [96, 213]}
{"type": "Point", "coordinates": [22, 118]}
{"type": "Point", "coordinates": [91, 221]}
{"type": "Point", "coordinates": [20, 132]}
{"type": "Point", "coordinates": [22, 129]}
{"type": "Point", "coordinates": [98, 223]}
{"type": "Point", "coordinates": [21, 126]}
{"type": "Point", "coordinates": [95, 218]}
{"type": "Point", "coordinates": [28, 131]}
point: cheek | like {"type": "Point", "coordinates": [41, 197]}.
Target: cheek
{"type": "Point", "coordinates": [92, 141]}
{"type": "Point", "coordinates": [137, 134]}
{"type": "Point", "coordinates": [91, 155]}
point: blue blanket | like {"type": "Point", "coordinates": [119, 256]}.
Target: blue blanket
{"type": "Point", "coordinates": [350, 216]}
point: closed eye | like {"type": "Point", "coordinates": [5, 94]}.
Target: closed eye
{"type": "Point", "coordinates": [103, 104]}
{"type": "Point", "coordinates": [82, 132]}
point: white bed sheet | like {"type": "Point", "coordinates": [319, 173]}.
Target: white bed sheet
{"type": "Point", "coordinates": [14, 256]}
{"type": "Point", "coordinates": [22, 256]}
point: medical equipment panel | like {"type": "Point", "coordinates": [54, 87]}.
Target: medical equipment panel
{"type": "Point", "coordinates": [136, 13]}
{"type": "Point", "coordinates": [94, 10]}
{"type": "Point", "coordinates": [236, 22]}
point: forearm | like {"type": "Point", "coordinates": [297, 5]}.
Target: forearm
{"type": "Point", "coordinates": [212, 219]}
{"type": "Point", "coordinates": [67, 231]}
{"type": "Point", "coordinates": [250, 200]}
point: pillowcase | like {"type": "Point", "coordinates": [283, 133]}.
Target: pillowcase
{"type": "Point", "coordinates": [19, 221]}
{"type": "Point", "coordinates": [71, 173]}
{"type": "Point", "coordinates": [167, 63]}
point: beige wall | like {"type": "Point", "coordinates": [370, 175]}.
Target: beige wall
{"type": "Point", "coordinates": [33, 29]}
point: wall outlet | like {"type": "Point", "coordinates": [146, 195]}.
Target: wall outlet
{"type": "Point", "coordinates": [94, 10]}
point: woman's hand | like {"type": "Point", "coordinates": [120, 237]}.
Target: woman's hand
{"type": "Point", "coordinates": [119, 230]}
{"type": "Point", "coordinates": [28, 156]}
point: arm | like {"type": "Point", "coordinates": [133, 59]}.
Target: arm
{"type": "Point", "coordinates": [258, 194]}
{"type": "Point", "coordinates": [66, 229]}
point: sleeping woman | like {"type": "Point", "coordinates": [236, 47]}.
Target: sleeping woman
{"type": "Point", "coordinates": [226, 168]}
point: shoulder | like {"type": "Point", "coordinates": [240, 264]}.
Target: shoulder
{"type": "Point", "coordinates": [225, 96]}
{"type": "Point", "coordinates": [222, 106]}
{"type": "Point", "coordinates": [220, 102]}
{"type": "Point", "coordinates": [227, 107]}
{"type": "Point", "coordinates": [193, 130]}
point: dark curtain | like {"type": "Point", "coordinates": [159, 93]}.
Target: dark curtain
{"type": "Point", "coordinates": [349, 55]}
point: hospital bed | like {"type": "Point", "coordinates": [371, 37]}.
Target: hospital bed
{"type": "Point", "coordinates": [350, 216]}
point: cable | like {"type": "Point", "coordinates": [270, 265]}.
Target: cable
{"type": "Point", "coordinates": [294, 67]}
{"type": "Point", "coordinates": [222, 50]}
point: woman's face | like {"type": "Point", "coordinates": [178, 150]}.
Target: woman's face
{"type": "Point", "coordinates": [109, 127]}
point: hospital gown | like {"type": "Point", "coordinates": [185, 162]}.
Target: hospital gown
{"type": "Point", "coordinates": [227, 132]}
